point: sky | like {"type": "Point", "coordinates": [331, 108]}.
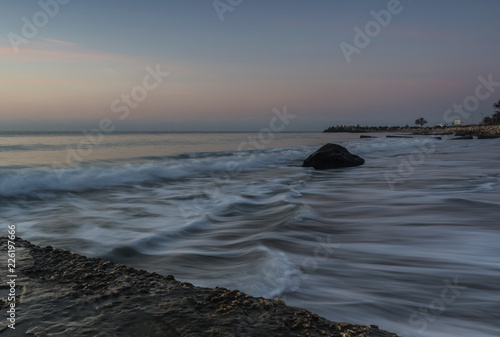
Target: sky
{"type": "Point", "coordinates": [225, 65]}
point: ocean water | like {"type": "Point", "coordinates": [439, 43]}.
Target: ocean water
{"type": "Point", "coordinates": [410, 241]}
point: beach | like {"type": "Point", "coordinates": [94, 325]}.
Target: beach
{"type": "Point", "coordinates": [407, 241]}
{"type": "Point", "coordinates": [249, 168]}
{"type": "Point", "coordinates": [66, 294]}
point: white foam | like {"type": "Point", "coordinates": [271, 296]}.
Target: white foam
{"type": "Point", "coordinates": [269, 276]}
{"type": "Point", "coordinates": [36, 181]}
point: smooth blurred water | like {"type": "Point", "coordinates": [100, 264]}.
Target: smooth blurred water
{"type": "Point", "coordinates": [408, 241]}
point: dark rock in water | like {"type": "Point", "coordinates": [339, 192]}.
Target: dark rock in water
{"type": "Point", "coordinates": [488, 136]}
{"type": "Point", "coordinates": [463, 137]}
{"type": "Point", "coordinates": [363, 136]}
{"type": "Point", "coordinates": [392, 136]}
{"type": "Point", "coordinates": [441, 133]}
{"type": "Point", "coordinates": [437, 138]}
{"type": "Point", "coordinates": [332, 156]}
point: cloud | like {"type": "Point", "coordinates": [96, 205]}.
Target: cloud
{"type": "Point", "coordinates": [58, 55]}
{"type": "Point", "coordinates": [32, 81]}
{"type": "Point", "coordinates": [60, 42]}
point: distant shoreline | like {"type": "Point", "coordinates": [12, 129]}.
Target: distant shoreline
{"type": "Point", "coordinates": [469, 130]}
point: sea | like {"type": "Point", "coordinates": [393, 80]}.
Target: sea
{"type": "Point", "coordinates": [409, 241]}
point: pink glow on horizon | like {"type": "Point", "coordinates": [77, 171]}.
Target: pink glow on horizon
{"type": "Point", "coordinates": [37, 82]}
{"type": "Point", "coordinates": [60, 42]}
{"type": "Point", "coordinates": [25, 54]}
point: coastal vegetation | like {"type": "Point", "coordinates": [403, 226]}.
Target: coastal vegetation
{"type": "Point", "coordinates": [495, 119]}
{"type": "Point", "coordinates": [421, 121]}
{"type": "Point", "coordinates": [490, 127]}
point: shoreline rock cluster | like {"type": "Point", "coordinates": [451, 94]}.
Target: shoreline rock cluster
{"type": "Point", "coordinates": [65, 294]}
{"type": "Point", "coordinates": [480, 131]}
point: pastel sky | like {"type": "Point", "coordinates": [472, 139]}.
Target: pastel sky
{"type": "Point", "coordinates": [230, 74]}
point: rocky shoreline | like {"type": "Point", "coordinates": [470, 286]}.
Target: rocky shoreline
{"type": "Point", "coordinates": [59, 293]}
{"type": "Point", "coordinates": [480, 131]}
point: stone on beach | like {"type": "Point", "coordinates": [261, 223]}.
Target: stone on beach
{"type": "Point", "coordinates": [397, 136]}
